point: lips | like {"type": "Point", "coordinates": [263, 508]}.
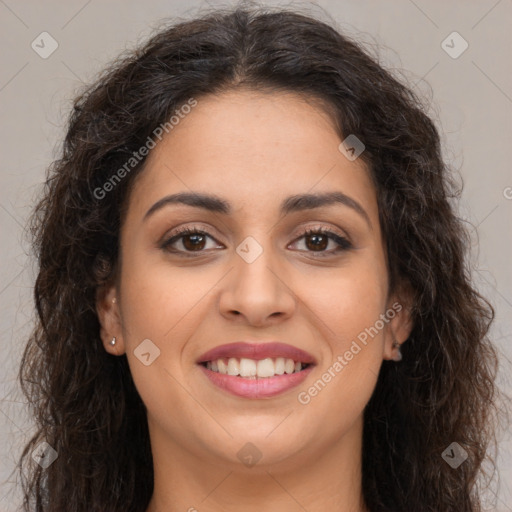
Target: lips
{"type": "Point", "coordinates": [276, 368]}
{"type": "Point", "coordinates": [257, 351]}
{"type": "Point", "coordinates": [256, 388]}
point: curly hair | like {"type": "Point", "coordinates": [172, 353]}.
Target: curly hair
{"type": "Point", "coordinates": [84, 400]}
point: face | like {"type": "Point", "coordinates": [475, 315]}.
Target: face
{"type": "Point", "coordinates": [263, 266]}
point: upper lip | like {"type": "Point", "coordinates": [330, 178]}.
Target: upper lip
{"type": "Point", "coordinates": [257, 351]}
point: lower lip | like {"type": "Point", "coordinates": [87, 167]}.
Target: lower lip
{"type": "Point", "coordinates": [257, 388]}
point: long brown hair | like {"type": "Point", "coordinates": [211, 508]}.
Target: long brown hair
{"type": "Point", "coordinates": [84, 401]}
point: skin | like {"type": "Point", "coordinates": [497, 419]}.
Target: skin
{"type": "Point", "coordinates": [252, 149]}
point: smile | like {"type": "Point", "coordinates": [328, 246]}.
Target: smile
{"type": "Point", "coordinates": [256, 370]}
{"type": "Point", "coordinates": [256, 387]}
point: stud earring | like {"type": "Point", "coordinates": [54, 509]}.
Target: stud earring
{"type": "Point", "coordinates": [398, 354]}
{"type": "Point", "coordinates": [113, 341]}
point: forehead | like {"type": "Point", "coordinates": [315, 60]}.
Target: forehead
{"type": "Point", "coordinates": [253, 148]}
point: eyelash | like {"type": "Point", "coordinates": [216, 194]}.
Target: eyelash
{"type": "Point", "coordinates": [343, 243]}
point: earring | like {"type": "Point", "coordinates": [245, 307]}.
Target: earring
{"type": "Point", "coordinates": [398, 354]}
{"type": "Point", "coordinates": [113, 341]}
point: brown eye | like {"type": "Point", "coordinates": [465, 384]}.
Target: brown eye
{"type": "Point", "coordinates": [194, 242]}
{"type": "Point", "coordinates": [317, 242]}
{"type": "Point", "coordinates": [186, 241]}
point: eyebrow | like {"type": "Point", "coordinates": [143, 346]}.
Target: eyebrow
{"type": "Point", "coordinates": [295, 203]}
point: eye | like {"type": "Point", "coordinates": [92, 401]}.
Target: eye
{"type": "Point", "coordinates": [190, 239]}
{"type": "Point", "coordinates": [318, 239]}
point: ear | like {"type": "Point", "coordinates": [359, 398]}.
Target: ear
{"type": "Point", "coordinates": [107, 309]}
{"type": "Point", "coordinates": [399, 327]}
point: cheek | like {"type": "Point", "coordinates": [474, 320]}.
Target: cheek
{"type": "Point", "coordinates": [346, 301]}
{"type": "Point", "coordinates": [163, 305]}
{"type": "Point", "coordinates": [160, 299]}
{"type": "Point", "coordinates": [159, 303]}
{"type": "Point", "coordinates": [348, 306]}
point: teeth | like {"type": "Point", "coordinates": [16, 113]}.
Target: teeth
{"type": "Point", "coordinates": [223, 367]}
{"type": "Point", "coordinates": [247, 368]}
{"type": "Point", "coordinates": [266, 368]}
{"type": "Point", "coordinates": [233, 366]}
{"type": "Point", "coordinates": [279, 366]}
{"type": "Point", "coordinates": [252, 369]}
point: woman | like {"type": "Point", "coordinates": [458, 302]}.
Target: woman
{"type": "Point", "coordinates": [252, 291]}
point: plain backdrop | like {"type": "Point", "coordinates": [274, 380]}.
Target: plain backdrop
{"type": "Point", "coordinates": [469, 95]}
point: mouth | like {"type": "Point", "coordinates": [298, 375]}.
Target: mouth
{"type": "Point", "coordinates": [256, 370]}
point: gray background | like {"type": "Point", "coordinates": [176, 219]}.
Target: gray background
{"type": "Point", "coordinates": [470, 98]}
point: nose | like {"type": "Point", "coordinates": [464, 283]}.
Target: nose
{"type": "Point", "coordinates": [257, 291]}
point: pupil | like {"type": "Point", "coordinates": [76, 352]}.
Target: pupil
{"type": "Point", "coordinates": [316, 243]}
{"type": "Point", "coordinates": [195, 245]}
